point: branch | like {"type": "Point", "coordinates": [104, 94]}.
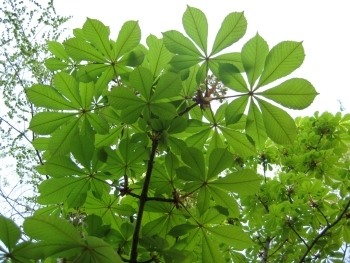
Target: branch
{"type": "Point", "coordinates": [188, 109]}
{"type": "Point", "coordinates": [324, 232]}
{"type": "Point", "coordinates": [266, 250]}
{"type": "Point", "coordinates": [143, 200]}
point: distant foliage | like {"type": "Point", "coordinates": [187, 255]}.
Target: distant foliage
{"type": "Point", "coordinates": [142, 167]}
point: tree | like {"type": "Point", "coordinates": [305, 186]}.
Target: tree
{"type": "Point", "coordinates": [143, 166]}
{"type": "Point", "coordinates": [25, 28]}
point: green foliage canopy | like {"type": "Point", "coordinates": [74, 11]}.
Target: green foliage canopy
{"type": "Point", "coordinates": [141, 163]}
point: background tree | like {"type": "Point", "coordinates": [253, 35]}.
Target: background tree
{"type": "Point", "coordinates": [146, 170]}
{"type": "Point", "coordinates": [26, 27]}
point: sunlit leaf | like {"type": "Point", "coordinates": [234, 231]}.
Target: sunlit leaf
{"type": "Point", "coordinates": [128, 38]}
{"type": "Point", "coordinates": [177, 43]}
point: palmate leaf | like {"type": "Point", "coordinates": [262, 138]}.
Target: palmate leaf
{"type": "Point", "coordinates": [177, 43]}
{"type": "Point", "coordinates": [128, 38]}
{"type": "Point", "coordinates": [282, 60]}
{"type": "Point", "coordinates": [294, 93]}
{"type": "Point", "coordinates": [280, 127]}
{"type": "Point", "coordinates": [98, 34]}
{"type": "Point", "coordinates": [196, 26]}
{"type": "Point", "coordinates": [9, 232]}
{"type": "Point", "coordinates": [254, 53]}
{"type": "Point", "coordinates": [232, 29]}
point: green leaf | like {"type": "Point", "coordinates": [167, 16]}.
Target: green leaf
{"type": "Point", "coordinates": [294, 93]}
{"type": "Point", "coordinates": [142, 80]}
{"type": "Point", "coordinates": [238, 142]}
{"type": "Point", "coordinates": [47, 122]}
{"type": "Point", "coordinates": [232, 236]}
{"type": "Point", "coordinates": [203, 200]}
{"type": "Point", "coordinates": [121, 98]}
{"type": "Point", "coordinates": [41, 143]}
{"type": "Point", "coordinates": [48, 97]}
{"type": "Point", "coordinates": [219, 160]}
{"type": "Point", "coordinates": [164, 110]}
{"type": "Point", "coordinates": [232, 29]}
{"type": "Point", "coordinates": [282, 60]}
{"type": "Point", "coordinates": [210, 250]}
{"type": "Point", "coordinates": [235, 110]}
{"type": "Point", "coordinates": [180, 230]}
{"type": "Point", "coordinates": [128, 38]}
{"type": "Point", "coordinates": [131, 114]}
{"type": "Point", "coordinates": [61, 166]}
{"type": "Point", "coordinates": [196, 26]}
{"type": "Point", "coordinates": [57, 50]}
{"type": "Point", "coordinates": [232, 78]}
{"type": "Point", "coordinates": [182, 62]}
{"type": "Point", "coordinates": [245, 182]}
{"type": "Point", "coordinates": [158, 55]}
{"type": "Point", "coordinates": [255, 125]}
{"type": "Point", "coordinates": [254, 53]}
{"type": "Point", "coordinates": [54, 64]}
{"type": "Point", "coordinates": [233, 58]}
{"type": "Point", "coordinates": [83, 148]}
{"type": "Point", "coordinates": [98, 122]}
{"type": "Point", "coordinates": [68, 87]}
{"type": "Point", "coordinates": [98, 34]}
{"type": "Point", "coordinates": [188, 174]}
{"type": "Point", "coordinates": [222, 198]}
{"type": "Point", "coordinates": [193, 157]}
{"type": "Point", "coordinates": [79, 50]}
{"type": "Point", "coordinates": [61, 139]}
{"type": "Point", "coordinates": [9, 232]}
{"type": "Point", "coordinates": [169, 85]}
{"type": "Point", "coordinates": [198, 139]}
{"type": "Point", "coordinates": [50, 228]}
{"type": "Point", "coordinates": [86, 91]}
{"type": "Point", "coordinates": [280, 127]}
{"type": "Point", "coordinates": [177, 43]}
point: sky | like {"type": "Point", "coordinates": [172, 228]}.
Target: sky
{"type": "Point", "coordinates": [323, 26]}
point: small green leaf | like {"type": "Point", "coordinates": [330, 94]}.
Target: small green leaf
{"type": "Point", "coordinates": [254, 53]}
{"type": "Point", "coordinates": [280, 127]}
{"type": "Point", "coordinates": [294, 93]}
{"type": "Point", "coordinates": [196, 26]}
{"type": "Point", "coordinates": [282, 60]}
{"type": "Point", "coordinates": [232, 29]}
{"type": "Point", "coordinates": [177, 43]}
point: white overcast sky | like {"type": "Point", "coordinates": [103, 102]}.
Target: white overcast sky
{"type": "Point", "coordinates": [323, 26]}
